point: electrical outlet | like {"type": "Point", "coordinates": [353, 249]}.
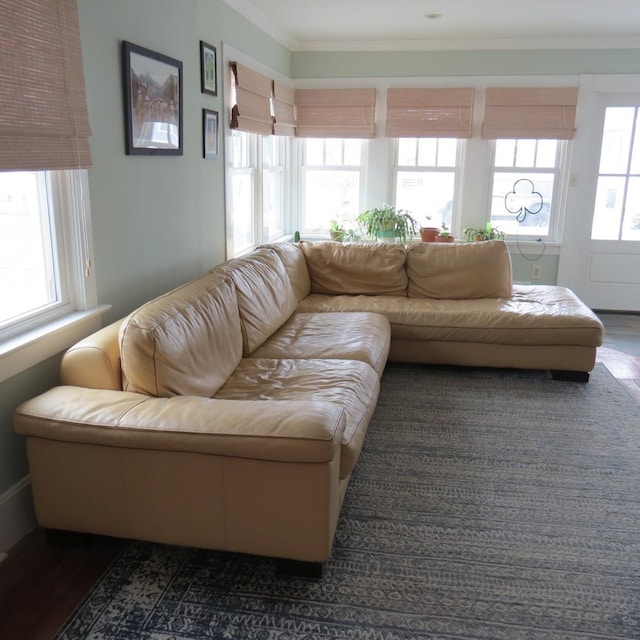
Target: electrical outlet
{"type": "Point", "coordinates": [536, 272]}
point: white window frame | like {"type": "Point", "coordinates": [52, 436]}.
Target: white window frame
{"type": "Point", "coordinates": [361, 168]}
{"type": "Point", "coordinates": [558, 200]}
{"type": "Point", "coordinates": [39, 335]}
{"type": "Point", "coordinates": [457, 170]}
{"type": "Point", "coordinates": [256, 170]}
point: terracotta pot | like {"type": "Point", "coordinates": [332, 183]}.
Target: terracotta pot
{"type": "Point", "coordinates": [445, 238]}
{"type": "Point", "coordinates": [428, 234]}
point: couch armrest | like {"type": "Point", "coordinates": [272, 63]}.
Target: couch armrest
{"type": "Point", "coordinates": [286, 431]}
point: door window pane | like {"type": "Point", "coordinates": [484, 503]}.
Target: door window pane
{"type": "Point", "coordinates": [631, 222]}
{"type": "Point", "coordinates": [616, 139]}
{"type": "Point", "coordinates": [616, 213]}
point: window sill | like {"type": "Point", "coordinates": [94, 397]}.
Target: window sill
{"type": "Point", "coordinates": [21, 352]}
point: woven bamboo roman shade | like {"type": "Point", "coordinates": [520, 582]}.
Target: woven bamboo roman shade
{"type": "Point", "coordinates": [251, 108]}
{"type": "Point", "coordinates": [530, 113]}
{"type": "Point", "coordinates": [43, 109]}
{"type": "Point", "coordinates": [284, 100]}
{"type": "Point", "coordinates": [336, 113]}
{"type": "Point", "coordinates": [429, 113]}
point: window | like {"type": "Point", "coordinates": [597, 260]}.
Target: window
{"type": "Point", "coordinates": [258, 175]}
{"type": "Point", "coordinates": [525, 186]}
{"type": "Point", "coordinates": [242, 203]}
{"type": "Point", "coordinates": [426, 177]}
{"type": "Point", "coordinates": [332, 182]}
{"type": "Point", "coordinates": [274, 163]}
{"type": "Point", "coordinates": [39, 257]}
{"type": "Point", "coordinates": [617, 206]}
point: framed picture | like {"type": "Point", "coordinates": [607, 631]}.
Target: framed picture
{"type": "Point", "coordinates": [152, 85]}
{"type": "Point", "coordinates": [208, 69]}
{"type": "Point", "coordinates": [209, 133]}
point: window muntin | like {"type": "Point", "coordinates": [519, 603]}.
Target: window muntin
{"type": "Point", "coordinates": [525, 183]}
{"type": "Point", "coordinates": [332, 180]}
{"type": "Point", "coordinates": [617, 206]}
{"type": "Point", "coordinates": [426, 175]}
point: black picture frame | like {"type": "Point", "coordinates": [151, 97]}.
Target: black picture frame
{"type": "Point", "coordinates": [208, 69]}
{"type": "Point", "coordinates": [210, 134]}
{"type": "Point", "coordinates": [152, 84]}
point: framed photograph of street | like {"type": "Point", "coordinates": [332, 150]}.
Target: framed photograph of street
{"type": "Point", "coordinates": [152, 87]}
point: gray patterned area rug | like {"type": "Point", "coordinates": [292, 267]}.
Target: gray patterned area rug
{"type": "Point", "coordinates": [487, 504]}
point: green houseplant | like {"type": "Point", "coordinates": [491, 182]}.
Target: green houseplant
{"type": "Point", "coordinates": [488, 232]}
{"type": "Point", "coordinates": [388, 222]}
{"type": "Point", "coordinates": [337, 231]}
{"type": "Point", "coordinates": [444, 235]}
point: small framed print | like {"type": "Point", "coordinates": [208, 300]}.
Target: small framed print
{"type": "Point", "coordinates": [152, 102]}
{"type": "Point", "coordinates": [208, 69]}
{"type": "Point", "coordinates": [209, 134]}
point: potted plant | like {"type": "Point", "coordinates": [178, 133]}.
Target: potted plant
{"type": "Point", "coordinates": [444, 235]}
{"type": "Point", "coordinates": [337, 231]}
{"type": "Point", "coordinates": [428, 234]}
{"type": "Point", "coordinates": [488, 232]}
{"type": "Point", "coordinates": [388, 222]}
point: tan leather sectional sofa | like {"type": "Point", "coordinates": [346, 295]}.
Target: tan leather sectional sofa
{"type": "Point", "coordinates": [230, 412]}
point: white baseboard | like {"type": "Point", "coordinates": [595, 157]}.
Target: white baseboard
{"type": "Point", "coordinates": [17, 517]}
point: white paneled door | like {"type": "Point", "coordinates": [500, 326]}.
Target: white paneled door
{"type": "Point", "coordinates": [602, 231]}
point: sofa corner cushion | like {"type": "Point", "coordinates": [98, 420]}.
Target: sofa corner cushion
{"type": "Point", "coordinates": [266, 299]}
{"type": "Point", "coordinates": [457, 271]}
{"type": "Point", "coordinates": [292, 258]}
{"type": "Point", "coordinates": [356, 269]}
{"type": "Point", "coordinates": [186, 342]}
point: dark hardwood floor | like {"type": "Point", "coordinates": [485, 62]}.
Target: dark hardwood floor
{"type": "Point", "coordinates": [41, 584]}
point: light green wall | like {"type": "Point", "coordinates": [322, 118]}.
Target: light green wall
{"type": "Point", "coordinates": [157, 221]}
{"type": "Point", "coordinates": [307, 64]}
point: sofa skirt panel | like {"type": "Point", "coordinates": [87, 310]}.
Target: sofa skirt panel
{"type": "Point", "coordinates": [270, 508]}
{"type": "Point", "coordinates": [470, 354]}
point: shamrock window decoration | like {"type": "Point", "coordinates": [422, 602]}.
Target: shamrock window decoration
{"type": "Point", "coordinates": [523, 199]}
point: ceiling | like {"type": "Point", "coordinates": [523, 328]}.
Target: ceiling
{"type": "Point", "coordinates": [370, 25]}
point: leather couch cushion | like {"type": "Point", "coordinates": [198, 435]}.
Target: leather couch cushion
{"type": "Point", "coordinates": [455, 271]}
{"type": "Point", "coordinates": [343, 336]}
{"type": "Point", "coordinates": [353, 269]}
{"type": "Point", "coordinates": [294, 262]}
{"type": "Point", "coordinates": [351, 384]}
{"type": "Point", "coordinates": [533, 315]}
{"type": "Point", "coordinates": [265, 296]}
{"type": "Point", "coordinates": [186, 342]}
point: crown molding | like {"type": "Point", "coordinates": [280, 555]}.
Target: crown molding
{"type": "Point", "coordinates": [262, 21]}
{"type": "Point", "coordinates": [477, 44]}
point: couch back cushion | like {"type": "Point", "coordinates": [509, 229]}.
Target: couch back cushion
{"type": "Point", "coordinates": [296, 266]}
{"type": "Point", "coordinates": [266, 298]}
{"type": "Point", "coordinates": [465, 270]}
{"type": "Point", "coordinates": [356, 269]}
{"type": "Point", "coordinates": [186, 342]}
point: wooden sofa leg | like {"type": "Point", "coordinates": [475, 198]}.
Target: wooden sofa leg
{"type": "Point", "coordinates": [69, 539]}
{"type": "Point", "coordinates": [570, 376]}
{"type": "Point", "coordinates": [299, 569]}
